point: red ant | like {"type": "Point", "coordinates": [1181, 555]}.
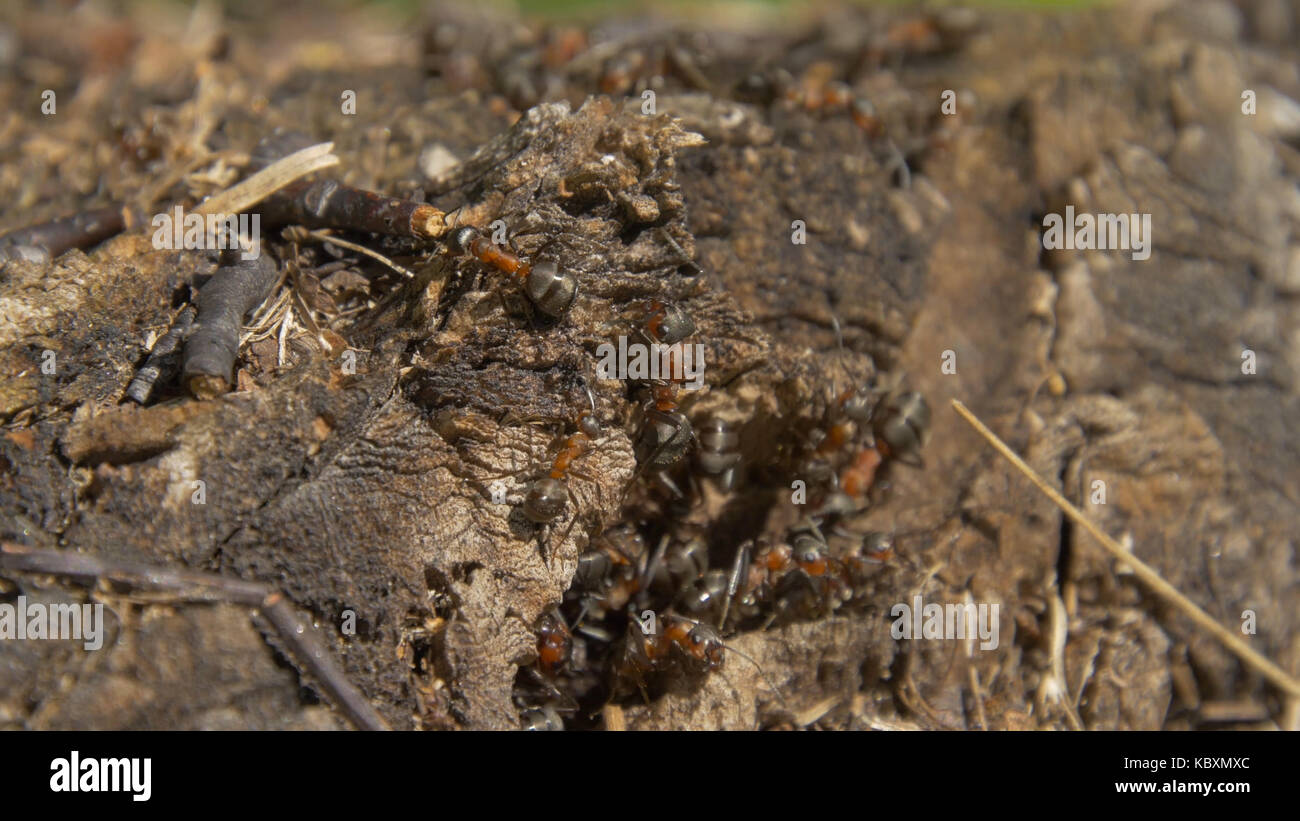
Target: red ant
{"type": "Point", "coordinates": [794, 579]}
{"type": "Point", "coordinates": [544, 700]}
{"type": "Point", "coordinates": [666, 434]}
{"type": "Point", "coordinates": [814, 91]}
{"type": "Point", "coordinates": [674, 646]}
{"type": "Point", "coordinates": [547, 497]}
{"type": "Point", "coordinates": [551, 290]}
{"type": "Point", "coordinates": [609, 575]}
{"type": "Point", "coordinates": [894, 428]}
{"type": "Point", "coordinates": [554, 645]}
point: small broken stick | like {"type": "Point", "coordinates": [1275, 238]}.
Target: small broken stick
{"type": "Point", "coordinates": [163, 358]}
{"type": "Point", "coordinates": [331, 204]}
{"type": "Point", "coordinates": [47, 240]}
{"type": "Point", "coordinates": [299, 636]}
{"type": "Point", "coordinates": [238, 286]}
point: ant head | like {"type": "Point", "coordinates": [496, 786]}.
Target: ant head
{"type": "Point", "coordinates": [837, 505]}
{"type": "Point", "coordinates": [859, 404]}
{"type": "Point", "coordinates": [809, 553]}
{"type": "Point", "coordinates": [705, 645]}
{"type": "Point", "coordinates": [878, 546]}
{"type": "Point", "coordinates": [903, 426]}
{"type": "Point", "coordinates": [461, 239]}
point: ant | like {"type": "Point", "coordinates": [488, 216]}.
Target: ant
{"type": "Point", "coordinates": [895, 428]}
{"type": "Point", "coordinates": [666, 434]}
{"type": "Point", "coordinates": [675, 646]}
{"type": "Point", "coordinates": [551, 290]}
{"type": "Point", "coordinates": [541, 700]}
{"type": "Point", "coordinates": [796, 578]}
{"type": "Point", "coordinates": [609, 575]}
{"type": "Point", "coordinates": [554, 645]}
{"type": "Point", "coordinates": [873, 550]}
{"type": "Point", "coordinates": [901, 425]}
{"type": "Point", "coordinates": [814, 91]}
{"type": "Point", "coordinates": [813, 584]}
{"type": "Point", "coordinates": [547, 497]}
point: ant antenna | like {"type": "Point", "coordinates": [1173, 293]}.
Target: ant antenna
{"type": "Point", "coordinates": [652, 566]}
{"type": "Point", "coordinates": [733, 582]}
{"type": "Point", "coordinates": [749, 659]}
{"type": "Point", "coordinates": [775, 690]}
{"type": "Point", "coordinates": [681, 252]}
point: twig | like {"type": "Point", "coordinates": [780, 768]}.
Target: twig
{"type": "Point", "coordinates": [162, 359]}
{"type": "Point", "coordinates": [324, 236]}
{"type": "Point", "coordinates": [299, 635]}
{"type": "Point", "coordinates": [1163, 589]}
{"type": "Point", "coordinates": [269, 180]}
{"type": "Point", "coordinates": [331, 204]}
{"type": "Point", "coordinates": [615, 721]}
{"type": "Point", "coordinates": [236, 288]}
{"type": "Point", "coordinates": [65, 233]}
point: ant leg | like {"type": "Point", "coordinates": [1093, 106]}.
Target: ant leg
{"type": "Point", "coordinates": [567, 530]}
{"type": "Point", "coordinates": [680, 426]}
{"type": "Point", "coordinates": [665, 481]}
{"type": "Point", "coordinates": [571, 706]}
{"type": "Point", "coordinates": [738, 569]}
{"type": "Point", "coordinates": [651, 568]}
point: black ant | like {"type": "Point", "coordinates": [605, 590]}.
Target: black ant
{"type": "Point", "coordinates": [549, 288]}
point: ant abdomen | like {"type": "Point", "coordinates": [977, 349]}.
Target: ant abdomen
{"type": "Point", "coordinates": [546, 500]}
{"type": "Point", "coordinates": [719, 452]}
{"type": "Point", "coordinates": [551, 289]}
{"type": "Point", "coordinates": [668, 324]}
{"type": "Point", "coordinates": [541, 719]}
{"type": "Point", "coordinates": [664, 439]}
